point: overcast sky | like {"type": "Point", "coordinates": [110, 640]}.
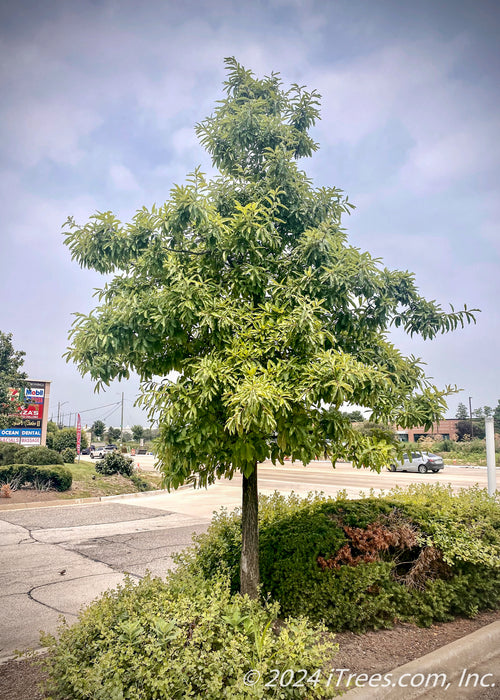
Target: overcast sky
{"type": "Point", "coordinates": [98, 103]}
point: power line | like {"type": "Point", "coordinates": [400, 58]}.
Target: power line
{"type": "Point", "coordinates": [111, 412]}
{"type": "Point", "coordinates": [107, 405]}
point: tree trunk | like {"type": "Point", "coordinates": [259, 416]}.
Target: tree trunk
{"type": "Point", "coordinates": [249, 565]}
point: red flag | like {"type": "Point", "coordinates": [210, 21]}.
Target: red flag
{"type": "Point", "coordinates": [78, 435]}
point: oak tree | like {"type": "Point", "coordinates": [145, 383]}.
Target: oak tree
{"type": "Point", "coordinates": [247, 314]}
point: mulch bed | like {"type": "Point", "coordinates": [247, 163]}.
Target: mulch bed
{"type": "Point", "coordinates": [29, 496]}
{"type": "Point", "coordinates": [372, 652]}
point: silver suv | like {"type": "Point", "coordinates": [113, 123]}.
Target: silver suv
{"type": "Point", "coordinates": [421, 462]}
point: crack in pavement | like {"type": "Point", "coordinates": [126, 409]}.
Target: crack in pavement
{"type": "Point", "coordinates": [115, 569]}
{"type": "Point", "coordinates": [53, 583]}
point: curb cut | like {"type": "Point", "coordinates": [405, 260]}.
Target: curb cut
{"type": "Point", "coordinates": [465, 652]}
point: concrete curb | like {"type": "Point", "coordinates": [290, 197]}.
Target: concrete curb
{"type": "Point", "coordinates": [91, 499]}
{"type": "Point", "coordinates": [464, 653]}
{"type": "Point", "coordinates": [23, 656]}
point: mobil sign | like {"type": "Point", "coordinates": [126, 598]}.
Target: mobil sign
{"type": "Point", "coordinates": [34, 395]}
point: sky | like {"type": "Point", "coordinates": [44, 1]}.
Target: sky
{"type": "Point", "coordinates": [98, 105]}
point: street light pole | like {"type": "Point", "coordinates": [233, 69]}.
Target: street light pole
{"type": "Point", "coordinates": [59, 415]}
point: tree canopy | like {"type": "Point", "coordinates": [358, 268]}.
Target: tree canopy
{"type": "Point", "coordinates": [247, 287]}
{"type": "Point", "coordinates": [11, 377]}
{"type": "Point", "coordinates": [98, 428]}
{"type": "Point", "coordinates": [137, 432]}
{"type": "Point", "coordinates": [462, 412]}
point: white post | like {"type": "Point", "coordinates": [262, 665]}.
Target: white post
{"type": "Point", "coordinates": [490, 455]}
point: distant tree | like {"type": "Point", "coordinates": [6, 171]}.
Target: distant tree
{"type": "Point", "coordinates": [11, 378]}
{"type": "Point", "coordinates": [465, 431]}
{"type": "Point", "coordinates": [462, 412]}
{"type": "Point", "coordinates": [52, 426]}
{"type": "Point", "coordinates": [137, 432]}
{"type": "Point", "coordinates": [496, 415]}
{"type": "Point", "coordinates": [488, 411]}
{"type": "Point", "coordinates": [478, 413]}
{"type": "Point", "coordinates": [113, 434]}
{"type": "Point", "coordinates": [354, 416]}
{"type": "Point", "coordinates": [379, 432]}
{"type": "Point", "coordinates": [148, 434]}
{"type": "Point", "coordinates": [98, 429]}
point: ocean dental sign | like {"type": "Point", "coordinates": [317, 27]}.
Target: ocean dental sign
{"type": "Point", "coordinates": [31, 426]}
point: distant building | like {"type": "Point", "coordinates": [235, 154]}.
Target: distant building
{"type": "Point", "coordinates": [445, 429]}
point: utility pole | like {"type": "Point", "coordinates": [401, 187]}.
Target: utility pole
{"type": "Point", "coordinates": [470, 416]}
{"type": "Point", "coordinates": [121, 428]}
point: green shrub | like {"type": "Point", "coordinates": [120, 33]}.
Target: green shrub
{"type": "Point", "coordinates": [68, 455]}
{"type": "Point", "coordinates": [42, 455]}
{"type": "Point", "coordinates": [67, 438]}
{"type": "Point", "coordinates": [115, 463]}
{"type": "Point", "coordinates": [11, 453]}
{"type": "Point", "coordinates": [359, 564]}
{"type": "Point", "coordinates": [182, 638]}
{"type": "Point", "coordinates": [41, 477]}
{"type": "Point", "coordinates": [444, 446]}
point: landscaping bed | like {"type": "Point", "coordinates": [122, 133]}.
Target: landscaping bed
{"type": "Point", "coordinates": [377, 651]}
{"type": "Point", "coordinates": [87, 483]}
{"type": "Point", "coordinates": [360, 574]}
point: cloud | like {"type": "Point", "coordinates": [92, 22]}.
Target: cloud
{"type": "Point", "coordinates": [416, 85]}
{"type": "Point", "coordinates": [122, 178]}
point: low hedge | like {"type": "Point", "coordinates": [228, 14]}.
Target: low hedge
{"type": "Point", "coordinates": [42, 456]}
{"type": "Point", "coordinates": [46, 476]}
{"type": "Point", "coordinates": [422, 555]}
{"type": "Point", "coordinates": [12, 453]}
{"type": "Point", "coordinates": [184, 638]}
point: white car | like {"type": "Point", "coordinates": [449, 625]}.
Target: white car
{"type": "Point", "coordinates": [98, 453]}
{"type": "Point", "coordinates": [421, 462]}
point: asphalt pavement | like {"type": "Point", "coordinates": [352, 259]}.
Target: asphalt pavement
{"type": "Point", "coordinates": [54, 561]}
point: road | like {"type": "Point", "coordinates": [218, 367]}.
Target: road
{"type": "Point", "coordinates": [54, 560]}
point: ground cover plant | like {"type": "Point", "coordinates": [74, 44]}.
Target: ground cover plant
{"type": "Point", "coordinates": [423, 554]}
{"type": "Point", "coordinates": [183, 638]}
